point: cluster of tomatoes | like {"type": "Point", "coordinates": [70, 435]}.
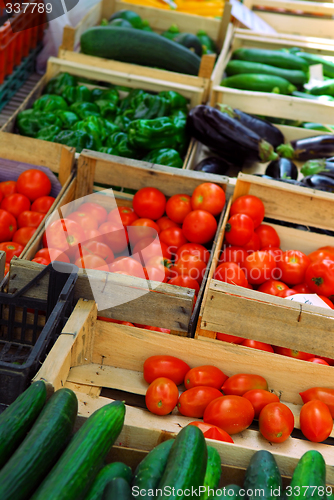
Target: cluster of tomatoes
{"type": "Point", "coordinates": [228, 405]}
{"type": "Point", "coordinates": [166, 237]}
{"type": "Point", "coordinates": [23, 205]}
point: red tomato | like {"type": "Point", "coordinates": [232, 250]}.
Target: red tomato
{"type": "Point", "coordinates": [251, 206]}
{"type": "Point", "coordinates": [199, 227]}
{"type": "Point", "coordinates": [165, 223]}
{"type": "Point", "coordinates": [173, 237]}
{"type": "Point", "coordinates": [8, 187]}
{"type": "Point", "coordinates": [209, 197]}
{"type": "Point", "coordinates": [275, 251]}
{"type": "Point", "coordinates": [327, 301]}
{"type": "Point", "coordinates": [30, 219]}
{"type": "Point", "coordinates": [316, 421]}
{"type": "Point", "coordinates": [95, 210]}
{"type": "Point", "coordinates": [293, 265]}
{"type": "Point", "coordinates": [259, 267]}
{"type": "Point", "coordinates": [276, 422]}
{"type": "Point", "coordinates": [321, 254]}
{"type": "Point", "coordinates": [233, 254]}
{"type": "Point", "coordinates": [268, 236]}
{"type": "Point", "coordinates": [319, 361]}
{"type": "Point", "coordinates": [114, 236]}
{"type": "Point", "coordinates": [109, 320]}
{"type": "Point", "coordinates": [85, 220]}
{"type": "Point", "coordinates": [207, 375]}
{"type": "Point", "coordinates": [165, 366]}
{"type": "Point", "coordinates": [262, 346]}
{"type": "Point", "coordinates": [7, 268]}
{"type": "Point", "coordinates": [241, 383]}
{"type": "Point", "coordinates": [319, 277]}
{"type": "Point", "coordinates": [302, 288]}
{"type": "Point", "coordinates": [191, 265]}
{"type": "Point", "coordinates": [126, 214]}
{"type": "Point", "coordinates": [292, 353]}
{"type": "Point", "coordinates": [23, 235]}
{"type": "Point", "coordinates": [273, 287]}
{"type": "Point", "coordinates": [15, 204]}
{"type": "Point", "coordinates": [52, 254]}
{"type": "Point", "coordinates": [161, 397]}
{"type": "Point", "coordinates": [260, 398]}
{"type": "Point", "coordinates": [147, 248]}
{"type": "Point", "coordinates": [229, 272]}
{"type": "Point", "coordinates": [158, 274]}
{"type": "Point", "coordinates": [33, 183]}
{"type": "Point", "coordinates": [64, 234]}
{"type": "Point", "coordinates": [239, 229]}
{"type": "Point", "coordinates": [128, 265]}
{"type": "Point", "coordinates": [287, 293]}
{"type": "Point", "coordinates": [186, 282]}
{"type": "Point", "coordinates": [43, 204]}
{"type": "Point", "coordinates": [323, 394]}
{"type": "Point", "coordinates": [194, 249]}
{"type": "Point", "coordinates": [91, 261]}
{"type": "Point", "coordinates": [213, 432]}
{"type": "Point", "coordinates": [91, 234]}
{"type": "Point", "coordinates": [149, 203]}
{"type": "Point", "coordinates": [94, 247]}
{"type": "Point", "coordinates": [178, 207]}
{"type": "Point", "coordinates": [233, 414]}
{"type": "Point", "coordinates": [40, 260]}
{"type": "Point", "coordinates": [193, 402]}
{"type": "Point", "coordinates": [156, 329]}
{"type": "Point", "coordinates": [142, 228]}
{"type": "Point", "coordinates": [8, 225]}
{"type": "Point", "coordinates": [161, 263]}
{"type": "Point", "coordinates": [232, 339]}
{"type": "Point", "coordinates": [11, 249]}
{"type": "Point", "coordinates": [253, 245]}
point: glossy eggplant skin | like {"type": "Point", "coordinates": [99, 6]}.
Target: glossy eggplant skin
{"type": "Point", "coordinates": [213, 165]}
{"type": "Point", "coordinates": [263, 128]}
{"type": "Point", "coordinates": [288, 181]}
{"type": "Point", "coordinates": [319, 181]}
{"type": "Point", "coordinates": [283, 168]}
{"type": "Point", "coordinates": [313, 167]}
{"type": "Point", "coordinates": [309, 148]}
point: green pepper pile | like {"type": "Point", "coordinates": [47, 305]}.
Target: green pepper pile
{"type": "Point", "coordinates": [149, 127]}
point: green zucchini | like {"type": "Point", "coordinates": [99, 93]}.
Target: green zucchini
{"type": "Point", "coordinates": [43, 445]}
{"type": "Point", "coordinates": [294, 76]}
{"type": "Point", "coordinates": [259, 83]}
{"type": "Point", "coordinates": [186, 464]}
{"type": "Point", "coordinates": [150, 470]}
{"type": "Point", "coordinates": [310, 471]}
{"type": "Point", "coordinates": [325, 88]}
{"type": "Point", "coordinates": [208, 45]}
{"type": "Point", "coordinates": [262, 474]}
{"type": "Point", "coordinates": [107, 474]}
{"type": "Point", "coordinates": [304, 95]}
{"type": "Point", "coordinates": [121, 23]}
{"type": "Point", "coordinates": [19, 417]}
{"type": "Point", "coordinates": [78, 466]}
{"type": "Point", "coordinates": [231, 491]}
{"type": "Point", "coordinates": [191, 42]}
{"type": "Point", "coordinates": [327, 66]}
{"type": "Point", "coordinates": [117, 489]}
{"type": "Point", "coordinates": [213, 472]}
{"type": "Point", "coordinates": [277, 58]}
{"type": "Point", "coordinates": [139, 47]}
{"type": "Point", "coordinates": [131, 17]}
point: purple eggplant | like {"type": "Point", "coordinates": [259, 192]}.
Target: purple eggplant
{"type": "Point", "coordinates": [213, 165]}
{"type": "Point", "coordinates": [309, 148]}
{"type": "Point", "coordinates": [283, 168]}
{"type": "Point", "coordinates": [319, 181]}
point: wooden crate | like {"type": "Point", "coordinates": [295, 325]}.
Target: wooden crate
{"type": "Point", "coordinates": [262, 103]}
{"type": "Point", "coordinates": [102, 362]}
{"type": "Point", "coordinates": [167, 306]}
{"type": "Point", "coordinates": [160, 20]}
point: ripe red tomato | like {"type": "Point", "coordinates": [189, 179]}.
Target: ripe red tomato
{"type": "Point", "coordinates": [8, 187]}
{"type": "Point", "coordinates": [165, 223]}
{"type": "Point", "coordinates": [293, 265]}
{"type": "Point", "coordinates": [292, 353]}
{"type": "Point", "coordinates": [319, 277]}
{"type": "Point", "coordinates": [11, 248]}
{"type": "Point", "coordinates": [193, 402]}
{"type": "Point", "coordinates": [276, 422]}
{"type": "Point", "coordinates": [268, 236]}
{"type": "Point", "coordinates": [259, 267]}
{"type": "Point", "coordinates": [199, 227]}
{"type": "Point", "coordinates": [233, 254]}
{"type": "Point", "coordinates": [52, 254]}
{"type": "Point", "coordinates": [253, 245]}
{"type": "Point", "coordinates": [165, 366]}
{"type": "Point", "coordinates": [242, 382]}
{"type": "Point", "coordinates": [229, 272]}
{"type": "Point", "coordinates": [91, 261]}
{"type": "Point", "coordinates": [186, 282]}
{"type": "Point", "coordinates": [40, 260]}
{"type": "Point", "coordinates": [94, 247]}
{"type": "Point", "coordinates": [114, 236]}
{"type": "Point", "coordinates": [156, 329]}
{"type": "Point", "coordinates": [323, 394]}
{"type": "Point", "coordinates": [110, 320]}
{"type": "Point", "coordinates": [93, 234]}
{"type": "Point", "coordinates": [233, 414]}
{"type": "Point", "coordinates": [239, 229]}
{"type": "Point", "coordinates": [128, 265]}
{"type": "Point", "coordinates": [15, 204]}
{"type": "Point", "coordinates": [23, 235]}
{"type": "Point", "coordinates": [142, 228]}
{"type": "Point", "coordinates": [209, 197]}
{"type": "Point", "coordinates": [43, 204]}
{"type": "Point", "coordinates": [251, 206]}
{"type": "Point", "coordinates": [158, 274]}
{"type": "Point", "coordinates": [260, 398]}
{"type": "Point", "coordinates": [149, 248]}
{"type": "Point", "coordinates": [191, 265]}
{"type": "Point", "coordinates": [173, 237]}
{"type": "Point", "coordinates": [194, 249]}
{"type": "Point", "coordinates": [126, 214]}
{"type": "Point", "coordinates": [30, 219]}
{"type": "Point", "coordinates": [273, 287]}
{"type": "Point", "coordinates": [322, 254]}
{"type": "Point", "coordinates": [213, 432]}
{"type": "Point", "coordinates": [95, 210]}
{"type": "Point", "coordinates": [85, 220]}
{"type": "Point", "coordinates": [302, 288]}
{"type": "Point", "coordinates": [232, 339]}
{"type": "Point", "coordinates": [161, 396]}
{"type": "Point", "coordinates": [316, 421]}
{"type": "Point", "coordinates": [8, 225]}
{"type": "Point", "coordinates": [64, 234]}
{"type": "Point", "coordinates": [161, 263]}
{"type": "Point", "coordinates": [149, 203]}
{"type": "Point", "coordinates": [178, 207]}
{"type": "Point", "coordinates": [33, 183]}
{"type": "Point", "coordinates": [207, 375]}
{"type": "Point", "coordinates": [319, 361]}
{"type": "Point", "coordinates": [287, 293]}
{"type": "Point", "coordinates": [327, 301]}
{"type": "Point", "coordinates": [262, 346]}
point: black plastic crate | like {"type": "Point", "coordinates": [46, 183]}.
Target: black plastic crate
{"type": "Point", "coordinates": [25, 338]}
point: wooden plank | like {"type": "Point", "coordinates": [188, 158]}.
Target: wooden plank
{"type": "Point", "coordinates": [294, 5]}
{"type": "Point", "coordinates": [90, 390]}
{"type": "Point", "coordinates": [298, 25]}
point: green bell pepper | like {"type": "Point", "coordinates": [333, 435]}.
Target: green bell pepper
{"type": "Point", "coordinates": [165, 156]}
{"type": "Point", "coordinates": [130, 100]}
{"type": "Point", "coordinates": [175, 100]}
{"type": "Point", "coordinates": [50, 102]}
{"type": "Point", "coordinates": [150, 106]}
{"type": "Point", "coordinates": [107, 108]}
{"type": "Point", "coordinates": [105, 94]}
{"type": "Point", "coordinates": [80, 93]}
{"type": "Point", "coordinates": [122, 122]}
{"type": "Point", "coordinates": [94, 126]}
{"type": "Point", "coordinates": [85, 109]}
{"type": "Point", "coordinates": [179, 118]}
{"type": "Point", "coordinates": [153, 134]}
{"type": "Point", "coordinates": [119, 142]}
{"type": "Point", "coordinates": [110, 127]}
{"type": "Point", "coordinates": [56, 85]}
{"type": "Point", "coordinates": [109, 151]}
{"type": "Point", "coordinates": [76, 139]}
{"type": "Point", "coordinates": [68, 118]}
{"type": "Point", "coordinates": [48, 133]}
{"type": "Point", "coordinates": [30, 122]}
{"type": "Point", "coordinates": [208, 45]}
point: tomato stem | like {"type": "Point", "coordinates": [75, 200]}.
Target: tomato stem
{"type": "Point", "coordinates": [318, 281]}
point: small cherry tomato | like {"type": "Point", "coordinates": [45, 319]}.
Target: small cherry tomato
{"type": "Point", "coordinates": [233, 414]}
{"type": "Point", "coordinates": [209, 197]}
{"type": "Point", "coordinates": [193, 402]}
{"type": "Point", "coordinates": [229, 272]}
{"type": "Point", "coordinates": [232, 339]}
{"type": "Point", "coordinates": [213, 432]}
{"type": "Point", "coordinates": [249, 205]}
{"type": "Point", "coordinates": [262, 346]}
{"type": "Point", "coordinates": [165, 366]}
{"type": "Point", "coordinates": [260, 398]}
{"type": "Point", "coordinates": [276, 422]}
{"type": "Point", "coordinates": [239, 230]}
{"type": "Point", "coordinates": [238, 384]}
{"type": "Point", "coordinates": [268, 236]}
{"type": "Point", "coordinates": [207, 375]}
{"type": "Point", "coordinates": [150, 203]}
{"type": "Point", "coordinates": [316, 421]}
{"type": "Point", "coordinates": [161, 396]}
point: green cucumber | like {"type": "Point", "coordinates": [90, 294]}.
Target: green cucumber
{"type": "Point", "coordinates": [139, 47]}
{"type": "Point", "coordinates": [231, 491]}
{"type": "Point", "coordinates": [186, 464]}
{"type": "Point", "coordinates": [277, 58]}
{"type": "Point", "coordinates": [259, 83]}
{"type": "Point", "coordinates": [109, 472]}
{"type": "Point", "coordinates": [310, 59]}
{"type": "Point", "coordinates": [150, 470]}
{"type": "Point", "coordinates": [19, 417]}
{"type": "Point", "coordinates": [325, 88]}
{"type": "Point", "coordinates": [43, 445]}
{"type": "Point", "coordinates": [117, 489]}
{"type": "Point", "coordinates": [262, 474]}
{"type": "Point", "coordinates": [294, 76]}
{"type": "Point", "coordinates": [121, 23]}
{"type": "Point", "coordinates": [128, 15]}
{"type": "Point", "coordinates": [304, 95]}
{"type": "Point", "coordinates": [191, 42]}
{"type": "Point", "coordinates": [318, 126]}
{"type": "Point", "coordinates": [213, 472]}
{"type": "Point", "coordinates": [78, 466]}
{"type": "Point", "coordinates": [310, 471]}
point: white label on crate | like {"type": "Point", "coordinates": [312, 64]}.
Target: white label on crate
{"type": "Point", "coordinates": [316, 76]}
{"type": "Point", "coordinates": [311, 299]}
{"type": "Point", "coordinates": [249, 19]}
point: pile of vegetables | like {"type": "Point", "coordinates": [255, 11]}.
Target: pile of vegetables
{"type": "Point", "coordinates": [140, 125]}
